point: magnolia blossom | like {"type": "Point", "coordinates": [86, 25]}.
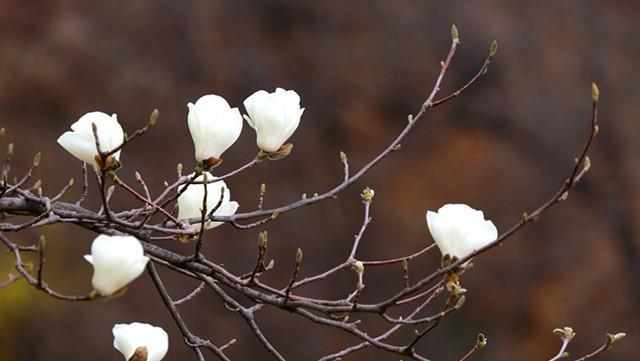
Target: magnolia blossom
{"type": "Point", "coordinates": [274, 116]}
{"type": "Point", "coordinates": [116, 260]}
{"type": "Point", "coordinates": [81, 143]}
{"type": "Point", "coordinates": [214, 126]}
{"type": "Point", "coordinates": [141, 337]}
{"type": "Point", "coordinates": [458, 229]}
{"type": "Point", "coordinates": [190, 201]}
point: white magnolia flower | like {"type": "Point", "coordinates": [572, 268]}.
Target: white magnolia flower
{"type": "Point", "coordinates": [458, 229]}
{"type": "Point", "coordinates": [190, 201]}
{"type": "Point", "coordinates": [81, 143]}
{"type": "Point", "coordinates": [116, 260]}
{"type": "Point", "coordinates": [129, 338]}
{"type": "Point", "coordinates": [274, 116]}
{"type": "Point", "coordinates": [214, 126]}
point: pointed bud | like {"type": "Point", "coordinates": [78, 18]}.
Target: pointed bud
{"type": "Point", "coordinates": [71, 182]}
{"type": "Point", "coordinates": [454, 34]}
{"type": "Point", "coordinates": [270, 265]}
{"type": "Point", "coordinates": [10, 149]}
{"type": "Point", "coordinates": [262, 240]}
{"type": "Point", "coordinates": [138, 176]}
{"type": "Point", "coordinates": [343, 157]}
{"type": "Point", "coordinates": [299, 256]}
{"type": "Point", "coordinates": [493, 49]}
{"type": "Point", "coordinates": [263, 188]}
{"type": "Point", "coordinates": [179, 168]}
{"type": "Point", "coordinates": [612, 338]}
{"type": "Point", "coordinates": [587, 164]}
{"type": "Point", "coordinates": [153, 118]}
{"type": "Point", "coordinates": [36, 159]}
{"type": "Point", "coordinates": [595, 92]}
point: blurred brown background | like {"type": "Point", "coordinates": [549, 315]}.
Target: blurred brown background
{"type": "Point", "coordinates": [360, 68]}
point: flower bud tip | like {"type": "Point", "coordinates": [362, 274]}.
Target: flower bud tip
{"type": "Point", "coordinates": [595, 92]}
{"type": "Point", "coordinates": [493, 49]}
{"type": "Point", "coordinates": [454, 34]}
{"type": "Point", "coordinates": [36, 159]}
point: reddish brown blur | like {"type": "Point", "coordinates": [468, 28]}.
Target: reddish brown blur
{"type": "Point", "coordinates": [360, 68]}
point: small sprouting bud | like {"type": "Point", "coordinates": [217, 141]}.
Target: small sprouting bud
{"type": "Point", "coordinates": [612, 338]}
{"type": "Point", "coordinates": [358, 266]}
{"type": "Point", "coordinates": [481, 341]}
{"type": "Point", "coordinates": [595, 92]}
{"type": "Point", "coordinates": [405, 265]}
{"type": "Point", "coordinates": [94, 128]}
{"type": "Point", "coordinates": [397, 146]}
{"type": "Point", "coordinates": [367, 195]}
{"type": "Point", "coordinates": [299, 256]}
{"type": "Point", "coordinates": [359, 287]}
{"type": "Point", "coordinates": [564, 196]}
{"type": "Point", "coordinates": [460, 302]}
{"type": "Point", "coordinates": [179, 168]}
{"type": "Point", "coordinates": [263, 240]}
{"type": "Point", "coordinates": [2, 133]}
{"type": "Point", "coordinates": [39, 191]}
{"type": "Point", "coordinates": [71, 182]}
{"type": "Point", "coordinates": [165, 183]}
{"type": "Point", "coordinates": [10, 149]}
{"type": "Point", "coordinates": [275, 214]}
{"type": "Point", "coordinates": [37, 184]}
{"type": "Point", "coordinates": [493, 49]}
{"type": "Point", "coordinates": [263, 188]}
{"type": "Point", "coordinates": [525, 216]}
{"type": "Point", "coordinates": [410, 118]}
{"type": "Point", "coordinates": [42, 242]}
{"type": "Point", "coordinates": [596, 129]}
{"type": "Point", "coordinates": [565, 332]}
{"type": "Point", "coordinates": [36, 159]}
{"type": "Point", "coordinates": [153, 118]}
{"type": "Point", "coordinates": [343, 157]}
{"type": "Point", "coordinates": [454, 34]}
{"type": "Point", "coordinates": [587, 164]}
{"type": "Point", "coordinates": [315, 195]}
{"type": "Point", "coordinates": [138, 176]}
{"type": "Point", "coordinates": [304, 196]}
{"type": "Point", "coordinates": [270, 265]}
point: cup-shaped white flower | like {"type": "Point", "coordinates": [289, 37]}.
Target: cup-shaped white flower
{"type": "Point", "coordinates": [140, 338]}
{"type": "Point", "coordinates": [116, 260]}
{"type": "Point", "coordinates": [190, 201]}
{"type": "Point", "coordinates": [214, 126]}
{"type": "Point", "coordinates": [274, 116]}
{"type": "Point", "coordinates": [81, 143]}
{"type": "Point", "coordinates": [458, 229]}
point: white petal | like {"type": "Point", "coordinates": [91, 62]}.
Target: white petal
{"type": "Point", "coordinates": [79, 146]}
